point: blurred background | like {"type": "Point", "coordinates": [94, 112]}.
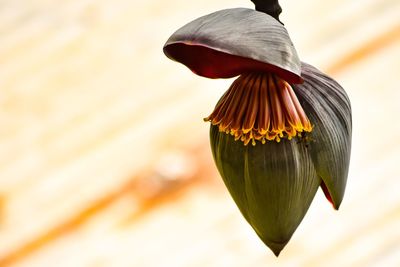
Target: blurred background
{"type": "Point", "coordinates": [104, 157]}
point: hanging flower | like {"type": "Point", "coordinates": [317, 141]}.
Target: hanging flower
{"type": "Point", "coordinates": [280, 131]}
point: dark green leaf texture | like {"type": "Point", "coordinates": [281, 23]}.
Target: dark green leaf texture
{"type": "Point", "coordinates": [272, 184]}
{"type": "Point", "coordinates": [328, 109]}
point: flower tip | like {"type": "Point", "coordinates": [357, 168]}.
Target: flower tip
{"type": "Point", "coordinates": [334, 201]}
{"type": "Point", "coordinates": [276, 248]}
{"type": "Point", "coordinates": [336, 205]}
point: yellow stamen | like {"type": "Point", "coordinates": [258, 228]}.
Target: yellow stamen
{"type": "Point", "coordinates": [260, 106]}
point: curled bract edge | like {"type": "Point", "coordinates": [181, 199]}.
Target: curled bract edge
{"type": "Point", "coordinates": [229, 42]}
{"type": "Point", "coordinates": [328, 107]}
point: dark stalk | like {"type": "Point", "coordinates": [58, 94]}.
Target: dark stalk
{"type": "Point", "coordinates": [270, 7]}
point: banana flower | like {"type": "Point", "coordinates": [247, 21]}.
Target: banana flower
{"type": "Point", "coordinates": [282, 129]}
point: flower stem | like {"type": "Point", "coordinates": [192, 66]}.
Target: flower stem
{"type": "Point", "coordinates": [270, 7]}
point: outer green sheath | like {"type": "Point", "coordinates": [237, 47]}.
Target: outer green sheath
{"type": "Point", "coordinates": [273, 184]}
{"type": "Point", "coordinates": [328, 108]}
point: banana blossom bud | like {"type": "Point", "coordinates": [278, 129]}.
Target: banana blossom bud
{"type": "Point", "coordinates": [282, 129]}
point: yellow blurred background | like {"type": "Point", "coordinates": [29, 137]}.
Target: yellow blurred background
{"type": "Point", "coordinates": [104, 157]}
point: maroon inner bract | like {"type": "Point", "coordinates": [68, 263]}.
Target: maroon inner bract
{"type": "Point", "coordinates": [211, 63]}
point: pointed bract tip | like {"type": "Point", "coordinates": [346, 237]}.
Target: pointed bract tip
{"type": "Point", "coordinates": [336, 207]}
{"type": "Point", "coordinates": [275, 247]}
{"type": "Point", "coordinates": [335, 201]}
